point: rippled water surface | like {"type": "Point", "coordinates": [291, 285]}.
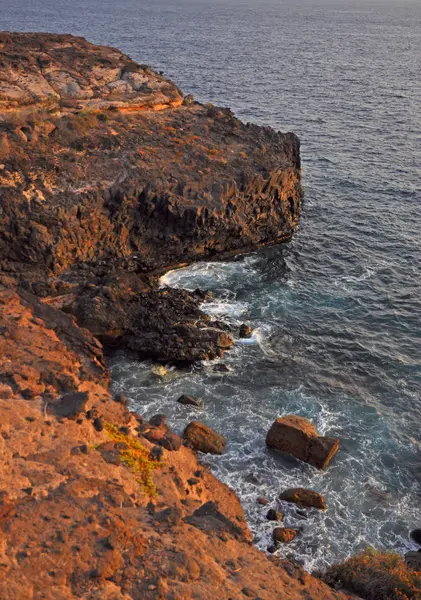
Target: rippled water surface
{"type": "Point", "coordinates": [337, 312]}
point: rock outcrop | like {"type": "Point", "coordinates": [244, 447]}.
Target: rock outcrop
{"type": "Point", "coordinates": [97, 196]}
{"type": "Point", "coordinates": [142, 190]}
{"type": "Point", "coordinates": [298, 436]}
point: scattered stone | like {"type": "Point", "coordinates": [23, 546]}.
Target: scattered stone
{"type": "Point", "coordinates": [284, 535]}
{"type": "Point", "coordinates": [171, 441]}
{"type": "Point", "coordinates": [263, 501]}
{"type": "Point", "coordinates": [297, 436]}
{"type": "Point", "coordinates": [304, 498]}
{"type": "Point", "coordinates": [245, 331]}
{"type": "Point", "coordinates": [271, 549]}
{"type": "Point", "coordinates": [70, 406]}
{"type": "Point", "coordinates": [274, 515]}
{"type": "Point", "coordinates": [121, 399]}
{"type": "Point", "coordinates": [6, 391]}
{"type": "Point", "coordinates": [158, 420]}
{"type": "Point", "coordinates": [253, 478]}
{"type": "Point", "coordinates": [156, 453]}
{"type": "Point", "coordinates": [203, 438]}
{"type": "Point", "coordinates": [110, 452]}
{"type": "Point", "coordinates": [99, 423]}
{"type": "Point", "coordinates": [413, 560]}
{"type": "Point", "coordinates": [191, 400]}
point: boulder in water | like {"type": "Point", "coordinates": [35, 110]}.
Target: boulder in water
{"type": "Point", "coordinates": [303, 497]}
{"type": "Point", "coordinates": [284, 535]}
{"type": "Point", "coordinates": [298, 436]}
{"type": "Point", "coordinates": [191, 400]}
{"type": "Point", "coordinates": [203, 438]}
{"type": "Point", "coordinates": [245, 331]}
{"type": "Point", "coordinates": [274, 515]}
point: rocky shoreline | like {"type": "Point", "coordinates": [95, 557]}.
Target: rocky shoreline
{"type": "Point", "coordinates": [108, 176]}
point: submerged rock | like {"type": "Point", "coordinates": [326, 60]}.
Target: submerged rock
{"type": "Point", "coordinates": [415, 535]}
{"type": "Point", "coordinates": [159, 371]}
{"type": "Point", "coordinates": [203, 438]}
{"type": "Point", "coordinates": [304, 498]}
{"type": "Point", "coordinates": [298, 436]}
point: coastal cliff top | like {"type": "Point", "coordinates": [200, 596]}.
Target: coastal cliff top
{"type": "Point", "coordinates": [66, 72]}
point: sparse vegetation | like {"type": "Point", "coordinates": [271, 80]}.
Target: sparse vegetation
{"type": "Point", "coordinates": [136, 458]}
{"type": "Point", "coordinates": [376, 576]}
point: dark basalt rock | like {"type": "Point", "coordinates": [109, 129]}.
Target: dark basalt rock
{"type": "Point", "coordinates": [245, 331]}
{"type": "Point", "coordinates": [158, 421]}
{"type": "Point", "coordinates": [94, 201]}
{"type": "Point", "coordinates": [274, 515]}
{"type": "Point", "coordinates": [165, 325]}
{"type": "Point", "coordinates": [121, 399]}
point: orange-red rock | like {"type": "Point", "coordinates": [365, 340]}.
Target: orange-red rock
{"type": "Point", "coordinates": [298, 436]}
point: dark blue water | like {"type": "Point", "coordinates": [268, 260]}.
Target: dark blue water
{"type": "Point", "coordinates": [337, 312]}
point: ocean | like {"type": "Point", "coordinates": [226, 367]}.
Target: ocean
{"type": "Point", "coordinates": [336, 312]}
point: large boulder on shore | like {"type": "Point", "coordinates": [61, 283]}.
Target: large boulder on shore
{"type": "Point", "coordinates": [203, 438]}
{"type": "Point", "coordinates": [298, 436]}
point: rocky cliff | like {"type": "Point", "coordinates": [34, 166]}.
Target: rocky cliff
{"type": "Point", "coordinates": [107, 175]}
{"type": "Point", "coordinates": [90, 507]}
{"type": "Point", "coordinates": [85, 179]}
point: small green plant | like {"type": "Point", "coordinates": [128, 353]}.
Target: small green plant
{"type": "Point", "coordinates": [376, 576]}
{"type": "Point", "coordinates": [136, 458]}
